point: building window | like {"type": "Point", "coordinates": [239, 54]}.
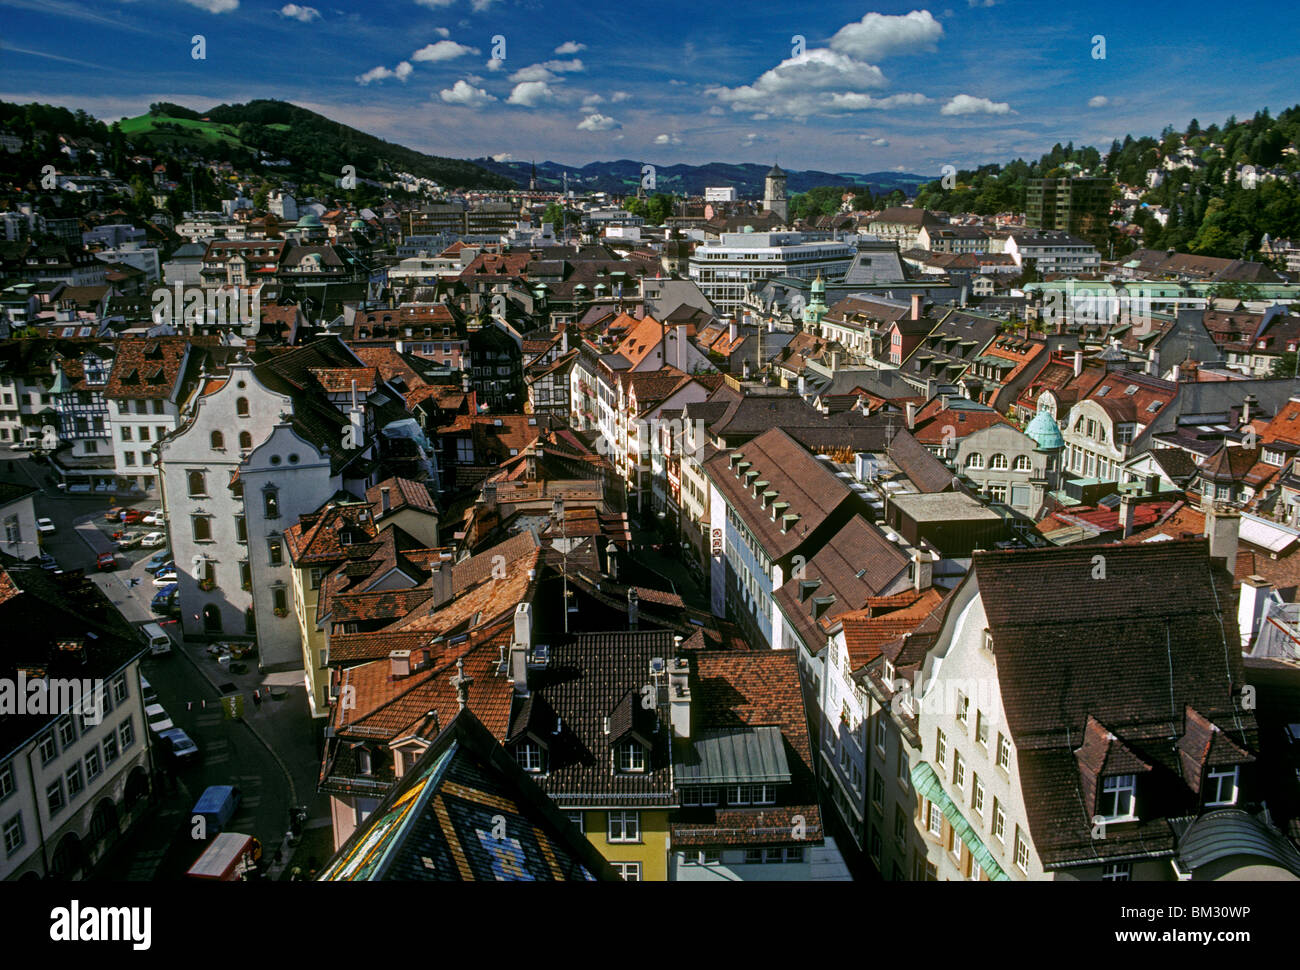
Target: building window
{"type": "Point", "coordinates": [197, 486]}
{"type": "Point", "coordinates": [974, 460]}
{"type": "Point", "coordinates": [1117, 872]}
{"type": "Point", "coordinates": [119, 689]}
{"type": "Point", "coordinates": [127, 733]}
{"type": "Point", "coordinates": [934, 820]}
{"type": "Point", "coordinates": [958, 770]}
{"type": "Point", "coordinates": [49, 750]}
{"type": "Point", "coordinates": [1116, 802]}
{"type": "Point", "coordinates": [275, 550]}
{"type": "Point", "coordinates": [14, 837]}
{"type": "Point", "coordinates": [578, 819]}
{"type": "Point", "coordinates": [1022, 852]}
{"type": "Point", "coordinates": [279, 600]}
{"type": "Point", "coordinates": [54, 797]}
{"type": "Point", "coordinates": [940, 749]}
{"type": "Point", "coordinates": [877, 790]}
{"type": "Point", "coordinates": [904, 770]}
{"type": "Point", "coordinates": [882, 731]}
{"type": "Point", "coordinates": [241, 407]}
{"type": "Point", "coordinates": [963, 709]}
{"type": "Point", "coordinates": [629, 871]}
{"type": "Point", "coordinates": [218, 441]}
{"type": "Point", "coordinates": [67, 731]}
{"type": "Point", "coordinates": [624, 827]}
{"type": "Point", "coordinates": [1221, 786]}
{"type": "Point", "coordinates": [92, 764]}
{"type": "Point", "coordinates": [738, 795]}
{"type": "Point", "coordinates": [1004, 752]}
{"type": "Point", "coordinates": [1023, 464]}
{"type": "Point", "coordinates": [73, 778]}
{"type": "Point", "coordinates": [977, 797]}
{"type": "Point", "coordinates": [999, 822]}
{"type": "Point", "coordinates": [202, 527]}
{"type": "Point", "coordinates": [110, 749]}
{"type": "Point", "coordinates": [6, 781]}
{"type": "Point", "coordinates": [241, 529]}
{"type": "Point", "coordinates": [631, 756]}
{"type": "Point", "coordinates": [271, 503]}
{"type": "Point", "coordinates": [529, 755]}
{"type": "Point", "coordinates": [998, 462]}
{"type": "Point", "coordinates": [245, 441]}
{"type": "Point", "coordinates": [981, 730]}
{"type": "Point", "coordinates": [365, 764]}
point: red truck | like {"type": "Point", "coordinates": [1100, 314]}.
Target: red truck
{"type": "Point", "coordinates": [227, 857]}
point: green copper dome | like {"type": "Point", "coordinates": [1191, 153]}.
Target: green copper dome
{"type": "Point", "coordinates": [1045, 433]}
{"type": "Point", "coordinates": [357, 224]}
{"type": "Point", "coordinates": [309, 221]}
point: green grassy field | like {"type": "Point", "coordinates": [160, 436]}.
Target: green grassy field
{"type": "Point", "coordinates": [207, 131]}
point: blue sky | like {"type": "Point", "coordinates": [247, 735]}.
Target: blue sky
{"type": "Point", "coordinates": [873, 87]}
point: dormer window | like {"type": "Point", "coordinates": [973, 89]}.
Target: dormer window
{"type": "Point", "coordinates": [631, 756]}
{"type": "Point", "coordinates": [365, 763]}
{"type": "Point", "coordinates": [529, 755]}
{"type": "Point", "coordinates": [1221, 786]}
{"type": "Point", "coordinates": [1117, 802]}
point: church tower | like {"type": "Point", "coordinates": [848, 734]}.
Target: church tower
{"type": "Point", "coordinates": [774, 199]}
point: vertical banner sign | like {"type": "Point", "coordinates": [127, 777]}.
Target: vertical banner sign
{"type": "Point", "coordinates": [233, 706]}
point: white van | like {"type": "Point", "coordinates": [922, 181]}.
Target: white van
{"type": "Point", "coordinates": [159, 642]}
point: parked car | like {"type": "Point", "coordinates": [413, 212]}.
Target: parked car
{"type": "Point", "coordinates": [45, 526]}
{"type": "Point", "coordinates": [147, 693]}
{"type": "Point", "coordinates": [130, 541]}
{"type": "Point", "coordinates": [182, 746]}
{"type": "Point", "coordinates": [157, 719]}
{"type": "Point", "coordinates": [217, 805]}
{"type": "Point", "coordinates": [155, 518]}
{"type": "Point", "coordinates": [164, 599]}
{"type": "Point", "coordinates": [105, 561]}
{"type": "Point", "coordinates": [165, 577]}
{"type": "Point", "coordinates": [152, 540]}
{"type": "Point", "coordinates": [159, 560]}
{"type": "Point", "coordinates": [114, 514]}
{"type": "Point", "coordinates": [132, 516]}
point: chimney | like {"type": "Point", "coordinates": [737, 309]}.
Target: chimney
{"type": "Point", "coordinates": [922, 570]}
{"type": "Point", "coordinates": [464, 382]}
{"type": "Point", "coordinates": [911, 415]}
{"type": "Point", "coordinates": [1127, 514]}
{"type": "Point", "coordinates": [632, 609]}
{"type": "Point", "coordinates": [1221, 525]}
{"type": "Point", "coordinates": [803, 385]}
{"type": "Point", "coordinates": [441, 585]}
{"type": "Point", "coordinates": [1078, 362]}
{"type": "Point", "coordinates": [835, 360]}
{"type": "Point", "coordinates": [400, 661]}
{"type": "Point", "coordinates": [1153, 484]}
{"type": "Point", "coordinates": [679, 698]}
{"type": "Point", "coordinates": [943, 401]}
{"type": "Point", "coordinates": [1153, 363]}
{"type": "Point", "coordinates": [384, 504]}
{"type": "Point", "coordinates": [733, 330]}
{"type": "Point", "coordinates": [917, 299]}
{"type": "Point", "coordinates": [357, 420]}
{"type": "Point", "coordinates": [1247, 406]}
{"type": "Point", "coordinates": [524, 624]}
{"type": "Point", "coordinates": [564, 340]}
{"type": "Point", "coordinates": [1255, 591]}
{"type": "Point", "coordinates": [519, 668]}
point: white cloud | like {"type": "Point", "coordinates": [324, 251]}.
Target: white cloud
{"type": "Point", "coordinates": [530, 94]}
{"type": "Point", "coordinates": [443, 50]}
{"type": "Point", "coordinates": [965, 104]}
{"type": "Point", "coordinates": [717, 111]}
{"type": "Point", "coordinates": [502, 157]}
{"type": "Point", "coordinates": [597, 122]}
{"type": "Point", "coordinates": [442, 31]}
{"type": "Point", "coordinates": [618, 96]}
{"type": "Point", "coordinates": [852, 101]}
{"type": "Point", "coordinates": [750, 138]}
{"type": "Point", "coordinates": [381, 73]}
{"type": "Point", "coordinates": [875, 142]}
{"type": "Point", "coordinates": [877, 35]}
{"type": "Point", "coordinates": [478, 6]}
{"type": "Point", "coordinates": [1100, 101]}
{"type": "Point", "coordinates": [435, 4]}
{"type": "Point", "coordinates": [302, 14]}
{"type": "Point", "coordinates": [668, 139]}
{"type": "Point", "coordinates": [592, 100]}
{"type": "Point", "coordinates": [495, 64]}
{"type": "Point", "coordinates": [799, 85]}
{"type": "Point", "coordinates": [464, 93]}
{"type": "Point", "coordinates": [547, 70]}
{"type": "Point", "coordinates": [982, 3]}
{"type": "Point", "coordinates": [214, 6]}
{"type": "Point", "coordinates": [570, 47]}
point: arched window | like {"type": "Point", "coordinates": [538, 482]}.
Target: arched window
{"type": "Point", "coordinates": [998, 462]}
{"type": "Point", "coordinates": [245, 441]}
{"type": "Point", "coordinates": [271, 500]}
{"type": "Point", "coordinates": [197, 486]}
{"type": "Point", "coordinates": [974, 460]}
{"type": "Point", "coordinates": [1022, 463]}
{"type": "Point", "coordinates": [241, 407]}
{"type": "Point", "coordinates": [218, 441]}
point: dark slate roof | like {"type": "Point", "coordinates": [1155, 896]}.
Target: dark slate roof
{"type": "Point", "coordinates": [1234, 832]}
{"type": "Point", "coordinates": [1070, 648]}
{"type": "Point", "coordinates": [587, 678]}
{"type": "Point", "coordinates": [736, 756]}
{"type": "Point", "coordinates": [440, 822]}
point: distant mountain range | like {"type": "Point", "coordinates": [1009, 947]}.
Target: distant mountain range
{"type": "Point", "coordinates": [624, 176]}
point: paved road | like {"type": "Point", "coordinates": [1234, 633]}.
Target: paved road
{"type": "Point", "coordinates": [275, 768]}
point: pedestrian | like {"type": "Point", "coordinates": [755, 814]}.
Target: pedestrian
{"type": "Point", "coordinates": [257, 698]}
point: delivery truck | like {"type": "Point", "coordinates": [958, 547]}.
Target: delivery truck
{"type": "Point", "coordinates": [217, 805]}
{"type": "Point", "coordinates": [229, 857]}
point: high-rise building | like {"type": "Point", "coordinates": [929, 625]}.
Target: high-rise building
{"type": "Point", "coordinates": [1076, 205]}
